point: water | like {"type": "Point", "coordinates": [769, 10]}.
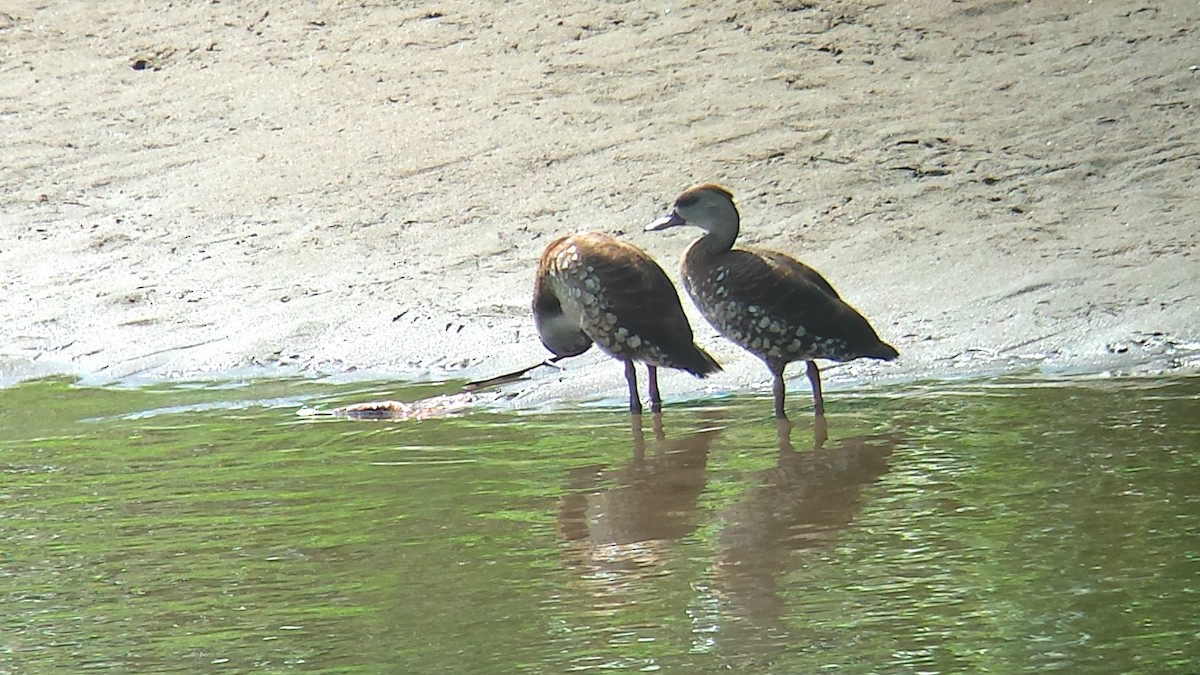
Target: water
{"type": "Point", "coordinates": [993, 526]}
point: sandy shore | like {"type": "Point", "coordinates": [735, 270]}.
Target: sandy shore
{"type": "Point", "coordinates": [362, 188]}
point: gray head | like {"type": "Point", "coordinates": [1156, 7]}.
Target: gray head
{"type": "Point", "coordinates": [707, 206]}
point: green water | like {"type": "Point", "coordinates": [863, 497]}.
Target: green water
{"type": "Point", "coordinates": [995, 526]}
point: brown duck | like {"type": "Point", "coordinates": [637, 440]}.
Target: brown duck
{"type": "Point", "coordinates": [591, 287]}
{"type": "Point", "coordinates": [768, 303]}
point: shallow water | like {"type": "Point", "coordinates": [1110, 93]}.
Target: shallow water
{"type": "Point", "coordinates": [990, 526]}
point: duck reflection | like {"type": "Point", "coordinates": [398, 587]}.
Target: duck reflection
{"type": "Point", "coordinates": [622, 518]}
{"type": "Point", "coordinates": [621, 526]}
{"type": "Point", "coordinates": [803, 502]}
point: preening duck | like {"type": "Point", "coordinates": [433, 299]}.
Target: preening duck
{"type": "Point", "coordinates": [768, 303]}
{"type": "Point", "coordinates": [592, 288]}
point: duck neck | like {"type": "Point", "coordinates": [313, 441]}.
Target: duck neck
{"type": "Point", "coordinates": [719, 239]}
{"type": "Point", "coordinates": [703, 253]}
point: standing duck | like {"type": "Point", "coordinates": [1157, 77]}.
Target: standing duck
{"type": "Point", "coordinates": [591, 287]}
{"type": "Point", "coordinates": [768, 303]}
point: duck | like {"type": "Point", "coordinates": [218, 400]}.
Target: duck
{"type": "Point", "coordinates": [768, 303]}
{"type": "Point", "coordinates": [592, 288]}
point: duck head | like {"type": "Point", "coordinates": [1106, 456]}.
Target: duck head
{"type": "Point", "coordinates": [707, 206]}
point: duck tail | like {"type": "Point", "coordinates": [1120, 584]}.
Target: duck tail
{"type": "Point", "coordinates": [882, 351]}
{"type": "Point", "coordinates": [699, 363]}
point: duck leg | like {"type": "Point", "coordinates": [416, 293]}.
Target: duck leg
{"type": "Point", "coordinates": [779, 389]}
{"type": "Point", "coordinates": [635, 403]}
{"type": "Point", "coordinates": [814, 378]}
{"type": "Point", "coordinates": [655, 397]}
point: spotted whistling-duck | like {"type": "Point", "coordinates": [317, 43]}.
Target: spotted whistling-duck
{"type": "Point", "coordinates": [768, 303]}
{"type": "Point", "coordinates": [591, 287]}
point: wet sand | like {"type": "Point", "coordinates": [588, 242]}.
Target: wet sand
{"type": "Point", "coordinates": [361, 189]}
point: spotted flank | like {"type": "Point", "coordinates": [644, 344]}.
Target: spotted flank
{"type": "Point", "coordinates": [763, 331]}
{"type": "Point", "coordinates": [590, 304]}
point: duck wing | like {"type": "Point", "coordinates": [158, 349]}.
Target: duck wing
{"type": "Point", "coordinates": [792, 293]}
{"type": "Point", "coordinates": [642, 300]}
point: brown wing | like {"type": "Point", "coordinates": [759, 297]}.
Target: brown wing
{"type": "Point", "coordinates": [791, 267]}
{"type": "Point", "coordinates": [632, 281]}
{"type": "Point", "coordinates": [790, 291]}
{"type": "Point", "coordinates": [644, 300]}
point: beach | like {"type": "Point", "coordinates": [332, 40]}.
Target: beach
{"type": "Point", "coordinates": [362, 190]}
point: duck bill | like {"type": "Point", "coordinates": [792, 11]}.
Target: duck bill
{"type": "Point", "coordinates": [672, 219]}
